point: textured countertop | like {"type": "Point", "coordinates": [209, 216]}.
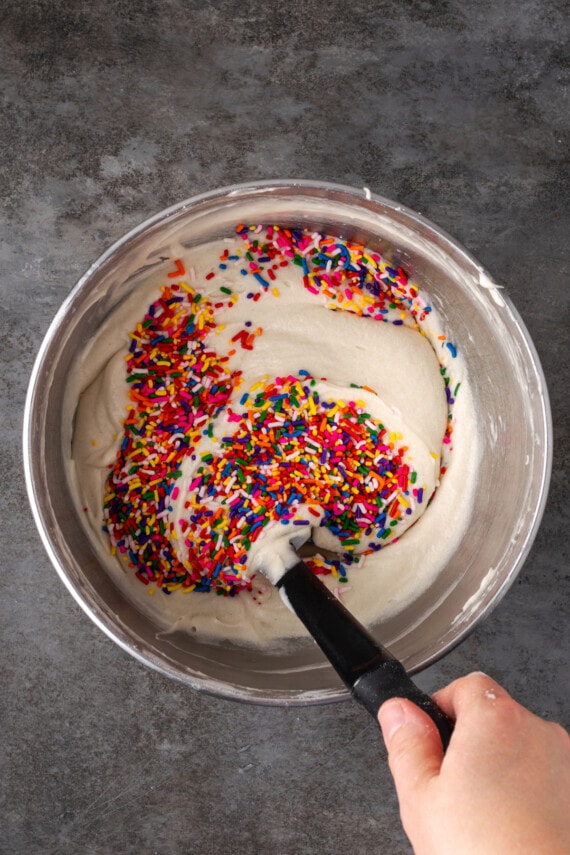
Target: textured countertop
{"type": "Point", "coordinates": [114, 110]}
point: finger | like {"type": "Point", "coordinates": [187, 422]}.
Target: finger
{"type": "Point", "coordinates": [468, 693]}
{"type": "Point", "coordinates": [414, 747]}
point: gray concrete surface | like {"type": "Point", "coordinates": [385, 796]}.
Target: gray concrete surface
{"type": "Point", "coordinates": [113, 110]}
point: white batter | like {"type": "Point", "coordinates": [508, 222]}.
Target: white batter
{"type": "Point", "coordinates": [401, 368]}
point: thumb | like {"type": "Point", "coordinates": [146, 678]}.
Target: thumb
{"type": "Point", "coordinates": [415, 753]}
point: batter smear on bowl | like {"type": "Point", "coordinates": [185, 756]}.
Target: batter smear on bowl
{"type": "Point", "coordinates": [282, 383]}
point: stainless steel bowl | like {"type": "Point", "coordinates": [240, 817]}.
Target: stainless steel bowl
{"type": "Point", "coordinates": [510, 397]}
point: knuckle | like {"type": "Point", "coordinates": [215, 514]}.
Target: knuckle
{"type": "Point", "coordinates": [560, 734]}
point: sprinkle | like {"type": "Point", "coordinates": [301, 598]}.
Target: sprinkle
{"type": "Point", "coordinates": [261, 280]}
{"type": "Point", "coordinates": [179, 271]}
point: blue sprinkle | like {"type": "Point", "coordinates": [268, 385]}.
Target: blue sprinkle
{"type": "Point", "coordinates": [261, 280]}
{"type": "Point", "coordinates": [452, 349]}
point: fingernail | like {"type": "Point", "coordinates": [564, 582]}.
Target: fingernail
{"type": "Point", "coordinates": [391, 717]}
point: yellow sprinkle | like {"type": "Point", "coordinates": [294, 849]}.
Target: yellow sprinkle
{"type": "Point", "coordinates": [189, 589]}
{"type": "Point", "coordinates": [275, 292]}
{"type": "Point", "coordinates": [434, 455]}
{"type": "Point", "coordinates": [93, 442]}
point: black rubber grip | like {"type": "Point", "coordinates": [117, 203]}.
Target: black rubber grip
{"type": "Point", "coordinates": [370, 671]}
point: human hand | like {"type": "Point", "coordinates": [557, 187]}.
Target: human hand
{"type": "Point", "coordinates": [503, 785]}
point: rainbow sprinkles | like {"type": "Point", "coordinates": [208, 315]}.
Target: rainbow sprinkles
{"type": "Point", "coordinates": [208, 463]}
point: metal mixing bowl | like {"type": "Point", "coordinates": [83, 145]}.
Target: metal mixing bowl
{"type": "Point", "coordinates": [510, 397]}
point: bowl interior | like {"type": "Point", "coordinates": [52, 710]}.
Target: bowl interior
{"type": "Point", "coordinates": [508, 390]}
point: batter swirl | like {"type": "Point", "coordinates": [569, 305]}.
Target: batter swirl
{"type": "Point", "coordinates": [256, 404]}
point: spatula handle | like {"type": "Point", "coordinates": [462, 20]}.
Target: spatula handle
{"type": "Point", "coordinates": [390, 680]}
{"type": "Point", "coordinates": [370, 671]}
